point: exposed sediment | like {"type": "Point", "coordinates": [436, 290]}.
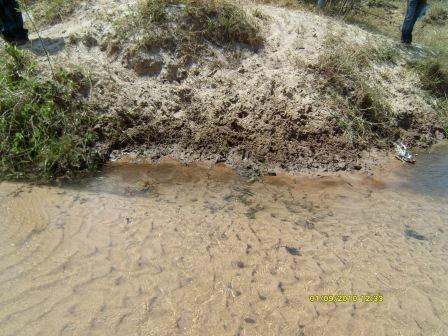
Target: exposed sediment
{"type": "Point", "coordinates": [258, 111]}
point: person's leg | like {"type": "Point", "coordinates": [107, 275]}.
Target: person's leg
{"type": "Point", "coordinates": [409, 21]}
{"type": "Point", "coordinates": [12, 21]}
{"type": "Point", "coordinates": [421, 9]}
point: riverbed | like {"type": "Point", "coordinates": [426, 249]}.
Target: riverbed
{"type": "Point", "coordinates": [171, 249]}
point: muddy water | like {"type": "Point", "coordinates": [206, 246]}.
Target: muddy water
{"type": "Point", "coordinates": [429, 175]}
{"type": "Point", "coordinates": [175, 250]}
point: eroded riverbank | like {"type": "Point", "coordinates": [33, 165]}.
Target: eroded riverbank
{"type": "Point", "coordinates": [177, 250]}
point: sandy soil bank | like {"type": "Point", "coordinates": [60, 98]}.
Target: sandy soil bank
{"type": "Point", "coordinates": [257, 111]}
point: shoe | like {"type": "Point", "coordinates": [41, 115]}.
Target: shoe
{"type": "Point", "coordinates": [406, 44]}
{"type": "Point", "coordinates": [16, 40]}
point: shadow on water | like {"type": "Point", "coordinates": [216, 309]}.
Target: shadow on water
{"type": "Point", "coordinates": [143, 180]}
{"type": "Point", "coordinates": [429, 175]}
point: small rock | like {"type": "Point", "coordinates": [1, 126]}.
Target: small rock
{"type": "Point", "coordinates": [309, 225]}
{"type": "Point", "coordinates": [173, 72]}
{"type": "Point", "coordinates": [142, 63]}
{"type": "Point", "coordinates": [292, 250]}
{"type": "Point", "coordinates": [412, 234]}
{"type": "Point", "coordinates": [240, 264]}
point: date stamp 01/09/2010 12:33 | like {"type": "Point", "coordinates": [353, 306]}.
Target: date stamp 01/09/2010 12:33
{"type": "Point", "coordinates": [328, 298]}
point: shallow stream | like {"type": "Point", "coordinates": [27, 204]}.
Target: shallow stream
{"type": "Point", "coordinates": [176, 250]}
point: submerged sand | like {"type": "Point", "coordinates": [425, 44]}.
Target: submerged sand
{"type": "Point", "coordinates": [176, 250]}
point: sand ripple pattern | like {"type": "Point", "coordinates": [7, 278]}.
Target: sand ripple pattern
{"type": "Point", "coordinates": [171, 250]}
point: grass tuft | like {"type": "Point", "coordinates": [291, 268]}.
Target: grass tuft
{"type": "Point", "coordinates": [259, 14]}
{"type": "Point", "coordinates": [365, 114]}
{"type": "Point", "coordinates": [433, 76]}
{"type": "Point", "coordinates": [443, 112]}
{"type": "Point", "coordinates": [48, 12]}
{"type": "Point", "coordinates": [46, 127]}
{"type": "Point", "coordinates": [186, 26]}
{"type": "Point", "coordinates": [437, 14]}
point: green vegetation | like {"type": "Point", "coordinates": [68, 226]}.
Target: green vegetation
{"type": "Point", "coordinates": [258, 13]}
{"type": "Point", "coordinates": [442, 106]}
{"type": "Point", "coordinates": [433, 77]}
{"type": "Point", "coordinates": [438, 13]}
{"type": "Point", "coordinates": [283, 3]}
{"type": "Point", "coordinates": [334, 7]}
{"type": "Point", "coordinates": [184, 26]}
{"type": "Point", "coordinates": [386, 17]}
{"type": "Point", "coordinates": [342, 7]}
{"type": "Point", "coordinates": [46, 128]}
{"type": "Point", "coordinates": [344, 68]}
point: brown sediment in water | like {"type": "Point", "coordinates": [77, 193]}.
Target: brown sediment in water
{"type": "Point", "coordinates": [171, 249]}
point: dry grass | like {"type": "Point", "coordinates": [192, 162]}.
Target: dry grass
{"type": "Point", "coordinates": [433, 76]}
{"type": "Point", "coordinates": [438, 14]}
{"type": "Point", "coordinates": [284, 3]}
{"type": "Point", "coordinates": [434, 79]}
{"type": "Point", "coordinates": [47, 12]}
{"type": "Point", "coordinates": [345, 71]}
{"type": "Point", "coordinates": [333, 7]}
{"type": "Point", "coordinates": [442, 107]}
{"type": "Point", "coordinates": [386, 17]}
{"type": "Point", "coordinates": [185, 27]}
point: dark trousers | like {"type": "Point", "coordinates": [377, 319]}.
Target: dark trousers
{"type": "Point", "coordinates": [11, 21]}
{"type": "Point", "coordinates": [413, 12]}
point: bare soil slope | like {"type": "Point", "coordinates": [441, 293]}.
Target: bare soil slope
{"type": "Point", "coordinates": [256, 110]}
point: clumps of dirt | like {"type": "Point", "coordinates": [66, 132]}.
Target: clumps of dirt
{"type": "Point", "coordinates": [287, 106]}
{"type": "Point", "coordinates": [255, 126]}
{"type": "Point", "coordinates": [143, 63]}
